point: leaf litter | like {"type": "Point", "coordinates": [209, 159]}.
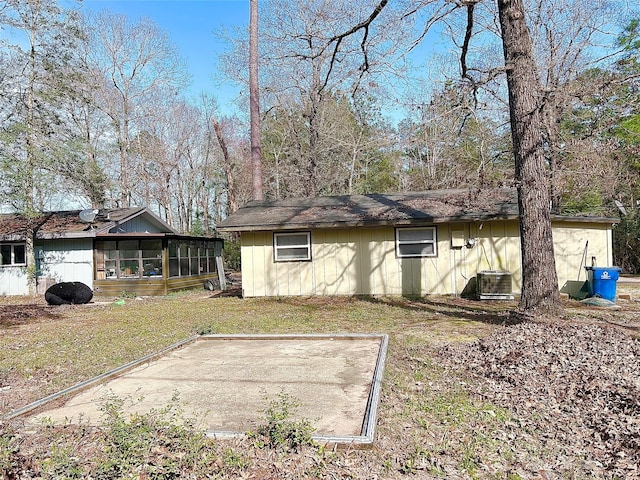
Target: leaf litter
{"type": "Point", "coordinates": [576, 384]}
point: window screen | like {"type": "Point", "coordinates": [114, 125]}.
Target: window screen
{"type": "Point", "coordinates": [289, 247]}
{"type": "Point", "coordinates": [416, 242]}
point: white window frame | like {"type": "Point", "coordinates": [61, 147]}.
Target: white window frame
{"type": "Point", "coordinates": [277, 248]}
{"type": "Point", "coordinates": [12, 262]}
{"type": "Point", "coordinates": [425, 241]}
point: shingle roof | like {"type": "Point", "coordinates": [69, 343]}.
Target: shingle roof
{"type": "Point", "coordinates": [434, 206]}
{"type": "Point", "coordinates": [65, 224]}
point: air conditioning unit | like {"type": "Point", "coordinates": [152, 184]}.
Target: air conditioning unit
{"type": "Point", "coordinates": [494, 285]}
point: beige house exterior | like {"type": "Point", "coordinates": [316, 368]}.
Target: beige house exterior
{"type": "Point", "coordinates": [411, 244]}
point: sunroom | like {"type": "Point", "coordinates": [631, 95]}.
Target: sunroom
{"type": "Point", "coordinates": [155, 265]}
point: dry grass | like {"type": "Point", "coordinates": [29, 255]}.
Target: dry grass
{"type": "Point", "coordinates": [430, 423]}
{"type": "Point", "coordinates": [55, 347]}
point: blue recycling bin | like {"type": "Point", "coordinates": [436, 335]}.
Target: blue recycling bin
{"type": "Point", "coordinates": [602, 281]}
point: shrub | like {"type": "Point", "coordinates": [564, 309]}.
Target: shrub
{"type": "Point", "coordinates": [10, 459]}
{"type": "Point", "coordinates": [626, 242]}
{"type": "Point", "coordinates": [280, 431]}
{"type": "Point", "coordinates": [231, 254]}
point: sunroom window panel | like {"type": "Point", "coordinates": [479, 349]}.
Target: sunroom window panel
{"type": "Point", "coordinates": [174, 267]}
{"type": "Point", "coordinates": [195, 266]}
{"type": "Point", "coordinates": [151, 257]}
{"type": "Point", "coordinates": [110, 268]}
{"type": "Point", "coordinates": [129, 249]}
{"type": "Point", "coordinates": [184, 267]}
{"type": "Point", "coordinates": [204, 265]}
{"type": "Point", "coordinates": [151, 248]}
{"type": "Point", "coordinates": [152, 267]}
{"type": "Point", "coordinates": [129, 268]}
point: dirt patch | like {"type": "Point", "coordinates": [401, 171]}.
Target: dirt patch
{"type": "Point", "coordinates": [14, 315]}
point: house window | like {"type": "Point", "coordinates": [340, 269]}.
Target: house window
{"type": "Point", "coordinates": [13, 254]}
{"type": "Point", "coordinates": [292, 247]}
{"type": "Point", "coordinates": [416, 242]}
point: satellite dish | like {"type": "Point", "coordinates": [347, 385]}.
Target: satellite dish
{"type": "Point", "coordinates": [88, 216]}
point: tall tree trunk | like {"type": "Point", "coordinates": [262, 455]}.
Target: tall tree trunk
{"type": "Point", "coordinates": [552, 114]}
{"type": "Point", "coordinates": [29, 184]}
{"type": "Point", "coordinates": [314, 140]}
{"type": "Point", "coordinates": [540, 292]}
{"type": "Point", "coordinates": [232, 201]}
{"type": "Point", "coordinates": [254, 103]}
{"type": "Point", "coordinates": [314, 134]}
{"type": "Point", "coordinates": [124, 164]}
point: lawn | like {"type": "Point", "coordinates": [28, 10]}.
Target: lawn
{"type": "Point", "coordinates": [438, 417]}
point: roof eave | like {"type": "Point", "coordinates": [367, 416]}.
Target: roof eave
{"type": "Point", "coordinates": [71, 235]}
{"type": "Point", "coordinates": [364, 223]}
{"type": "Point", "coordinates": [584, 219]}
{"type": "Point", "coordinates": [13, 238]}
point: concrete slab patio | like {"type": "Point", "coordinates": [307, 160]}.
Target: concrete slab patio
{"type": "Point", "coordinates": [226, 382]}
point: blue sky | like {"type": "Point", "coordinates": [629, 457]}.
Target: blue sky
{"type": "Point", "coordinates": [190, 25]}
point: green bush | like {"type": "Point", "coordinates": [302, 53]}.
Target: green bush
{"type": "Point", "coordinates": [231, 254]}
{"type": "Point", "coordinates": [10, 460]}
{"type": "Point", "coordinates": [160, 444]}
{"type": "Point", "coordinates": [626, 243]}
{"type": "Point", "coordinates": [280, 431]}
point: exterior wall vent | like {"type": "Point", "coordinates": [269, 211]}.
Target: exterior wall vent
{"type": "Point", "coordinates": [494, 285]}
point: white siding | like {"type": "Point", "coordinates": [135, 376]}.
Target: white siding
{"type": "Point", "coordinates": [67, 260]}
{"type": "Point", "coordinates": [13, 281]}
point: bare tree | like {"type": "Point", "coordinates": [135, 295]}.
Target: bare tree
{"type": "Point", "coordinates": [301, 71]}
{"type": "Point", "coordinates": [540, 285]}
{"type": "Point", "coordinates": [568, 39]}
{"type": "Point", "coordinates": [177, 164]}
{"type": "Point", "coordinates": [135, 62]}
{"type": "Point", "coordinates": [232, 200]}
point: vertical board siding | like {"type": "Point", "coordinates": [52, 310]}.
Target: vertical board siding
{"type": "Point", "coordinates": [136, 225]}
{"type": "Point", "coordinates": [570, 246]}
{"type": "Point", "coordinates": [68, 260]}
{"type": "Point", "coordinates": [13, 281]}
{"type": "Point", "coordinates": [363, 261]}
{"type": "Point", "coordinates": [514, 255]}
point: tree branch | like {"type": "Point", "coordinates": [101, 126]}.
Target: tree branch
{"type": "Point", "coordinates": [364, 25]}
{"type": "Point", "coordinates": [470, 4]}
